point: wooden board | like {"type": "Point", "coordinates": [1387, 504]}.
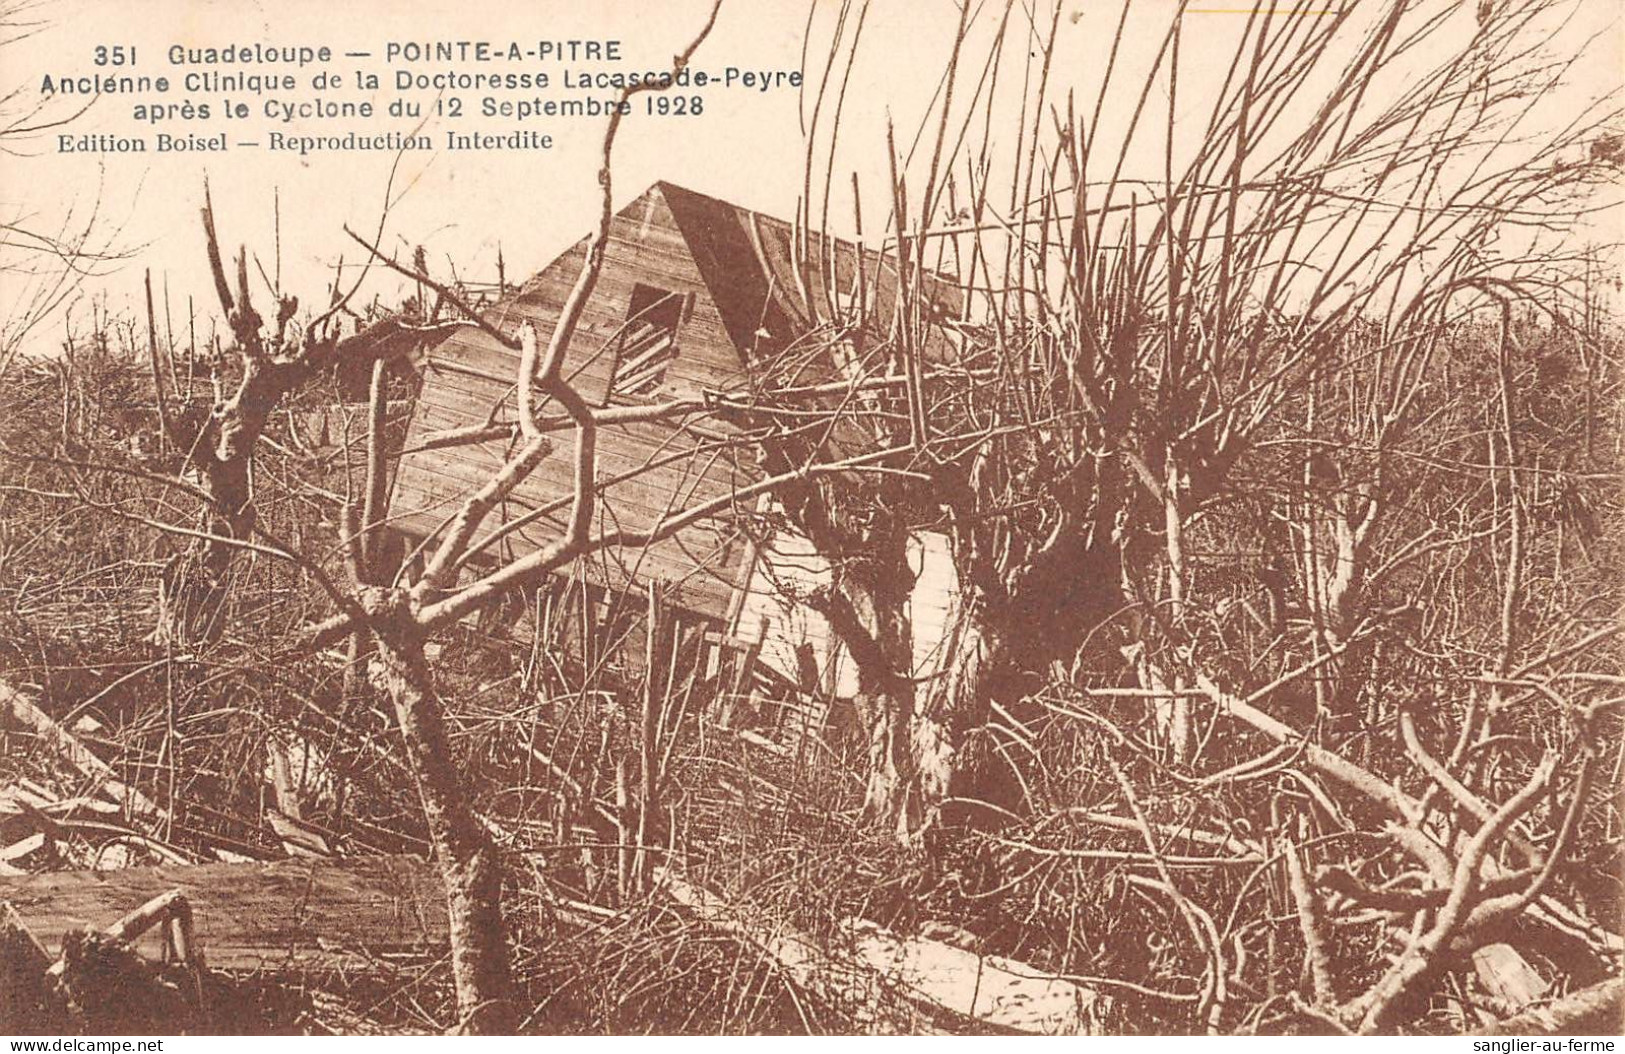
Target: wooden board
{"type": "Point", "coordinates": [327, 914]}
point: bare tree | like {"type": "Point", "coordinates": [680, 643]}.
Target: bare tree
{"type": "Point", "coordinates": [1206, 395]}
{"type": "Point", "coordinates": [1145, 333]}
{"type": "Point", "coordinates": [1285, 610]}
{"type": "Point", "coordinates": [217, 443]}
{"type": "Point", "coordinates": [44, 258]}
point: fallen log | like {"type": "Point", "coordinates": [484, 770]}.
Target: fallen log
{"type": "Point", "coordinates": [296, 913]}
{"type": "Point", "coordinates": [1595, 1011]}
{"type": "Point", "coordinates": [868, 971]}
{"type": "Point", "coordinates": [989, 990]}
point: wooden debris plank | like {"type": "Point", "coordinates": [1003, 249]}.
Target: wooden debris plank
{"type": "Point", "coordinates": [1507, 975]}
{"type": "Point", "coordinates": [22, 971]}
{"type": "Point", "coordinates": [22, 711]}
{"type": "Point", "coordinates": [327, 914]}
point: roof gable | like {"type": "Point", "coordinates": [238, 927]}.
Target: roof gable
{"type": "Point", "coordinates": [767, 291]}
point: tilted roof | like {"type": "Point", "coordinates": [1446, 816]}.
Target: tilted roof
{"type": "Point", "coordinates": [772, 283]}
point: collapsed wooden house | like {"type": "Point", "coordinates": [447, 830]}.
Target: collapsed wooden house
{"type": "Point", "coordinates": [695, 295]}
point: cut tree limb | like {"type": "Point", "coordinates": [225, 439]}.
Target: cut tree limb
{"type": "Point", "coordinates": [1598, 1010]}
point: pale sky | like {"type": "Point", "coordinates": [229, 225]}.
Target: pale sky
{"type": "Point", "coordinates": [747, 147]}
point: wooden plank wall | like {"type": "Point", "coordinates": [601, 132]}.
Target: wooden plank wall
{"type": "Point", "coordinates": [323, 914]}
{"type": "Point", "coordinates": [471, 373]}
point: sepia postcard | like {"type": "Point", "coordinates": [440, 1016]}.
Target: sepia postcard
{"type": "Point", "coordinates": [812, 517]}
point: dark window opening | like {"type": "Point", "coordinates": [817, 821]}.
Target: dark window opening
{"type": "Point", "coordinates": [648, 342]}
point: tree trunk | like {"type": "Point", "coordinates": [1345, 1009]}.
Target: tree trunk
{"type": "Point", "coordinates": [952, 710]}
{"type": "Point", "coordinates": [886, 704]}
{"type": "Point", "coordinates": [468, 860]}
{"type": "Point", "coordinates": [871, 622]}
{"type": "Point", "coordinates": [195, 586]}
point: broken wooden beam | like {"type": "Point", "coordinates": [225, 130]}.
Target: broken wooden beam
{"type": "Point", "coordinates": [298, 913]}
{"type": "Point", "coordinates": [23, 712]}
{"type": "Point", "coordinates": [803, 962]}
